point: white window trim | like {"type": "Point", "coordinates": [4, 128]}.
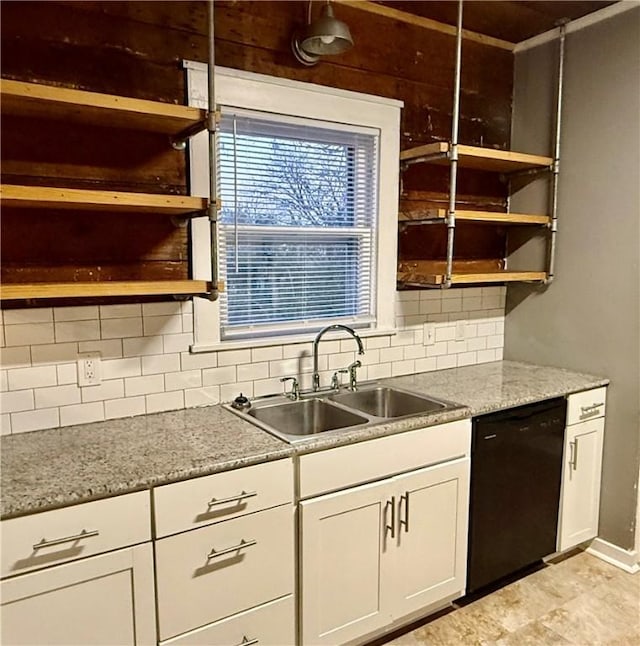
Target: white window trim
{"type": "Point", "coordinates": [252, 91]}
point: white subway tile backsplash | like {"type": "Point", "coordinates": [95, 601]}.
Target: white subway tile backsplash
{"type": "Point", "coordinates": [67, 373]}
{"type": "Point", "coordinates": [467, 359]}
{"type": "Point", "coordinates": [415, 352]}
{"type": "Point", "coordinates": [112, 389]}
{"type": "Point", "coordinates": [36, 377]}
{"type": "Point", "coordinates": [377, 342]}
{"type": "Point", "coordinates": [177, 342]}
{"type": "Point", "coordinates": [197, 361]}
{"type": "Point", "coordinates": [471, 304]}
{"type": "Point", "coordinates": [477, 343]}
{"type": "Point", "coordinates": [57, 396]}
{"type": "Point", "coordinates": [32, 315]}
{"type": "Point", "coordinates": [370, 357]}
{"type": "Point", "coordinates": [295, 350]}
{"type": "Point", "coordinates": [4, 381]}
{"type": "Point", "coordinates": [234, 357]}
{"type": "Point", "coordinates": [446, 361]}
{"type": "Point", "coordinates": [5, 424]}
{"type": "Point", "coordinates": [157, 325]}
{"type": "Point", "coordinates": [119, 368]}
{"type": "Point", "coordinates": [207, 396]}
{"type": "Point", "coordinates": [430, 306]}
{"type": "Point", "coordinates": [426, 365]}
{"type": "Point", "coordinates": [143, 385]}
{"type": "Point", "coordinates": [120, 328]}
{"type": "Point", "coordinates": [437, 349]}
{"type": "Point", "coordinates": [252, 371]}
{"type": "Point", "coordinates": [35, 420]}
{"type": "Point", "coordinates": [83, 313]}
{"type": "Point", "coordinates": [217, 376]}
{"type": "Point", "coordinates": [120, 311]}
{"type": "Point", "coordinates": [77, 331]}
{"type": "Point", "coordinates": [391, 354]}
{"type": "Point", "coordinates": [499, 354]}
{"type": "Point", "coordinates": [165, 401]}
{"type": "Point", "coordinates": [484, 356]}
{"type": "Point", "coordinates": [187, 323]}
{"type": "Point", "coordinates": [228, 392]}
{"type": "Point", "coordinates": [413, 295]}
{"type": "Point", "coordinates": [379, 371]}
{"type": "Point", "coordinates": [408, 308]}
{"type": "Point", "coordinates": [155, 364]}
{"type": "Point", "coordinates": [495, 341]}
{"type": "Point", "coordinates": [161, 309]}
{"type": "Point", "coordinates": [183, 380]}
{"type": "Point", "coordinates": [16, 401]}
{"type": "Point", "coordinates": [111, 349]}
{"type": "Point", "coordinates": [29, 334]}
{"type": "Point", "coordinates": [54, 353]}
{"type": "Point", "coordinates": [399, 368]}
{"type": "Point", "coordinates": [81, 413]}
{"type": "Point", "coordinates": [263, 387]}
{"type": "Point", "coordinates": [272, 353]}
{"type": "Point", "coordinates": [138, 346]}
{"type": "Point", "coordinates": [126, 407]}
{"type": "Point", "coordinates": [403, 337]}
{"type": "Point", "coordinates": [340, 360]}
{"type": "Point", "coordinates": [486, 328]}
{"type": "Point", "coordinates": [445, 333]}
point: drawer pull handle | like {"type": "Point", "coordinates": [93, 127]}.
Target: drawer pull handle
{"type": "Point", "coordinates": [68, 539]}
{"type": "Point", "coordinates": [391, 504]}
{"type": "Point", "coordinates": [404, 523]}
{"type": "Point", "coordinates": [248, 642]}
{"type": "Point", "coordinates": [589, 411]}
{"type": "Point", "coordinates": [573, 458]}
{"type": "Point", "coordinates": [214, 554]}
{"type": "Point", "coordinates": [223, 501]}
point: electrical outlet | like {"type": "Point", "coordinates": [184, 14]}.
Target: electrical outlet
{"type": "Point", "coordinates": [461, 330]}
{"type": "Point", "coordinates": [429, 337]}
{"type": "Point", "coordinates": [89, 369]}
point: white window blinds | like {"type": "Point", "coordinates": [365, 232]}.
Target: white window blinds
{"type": "Point", "coordinates": [297, 224]}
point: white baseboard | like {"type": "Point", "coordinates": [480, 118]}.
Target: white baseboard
{"type": "Point", "coordinates": [627, 560]}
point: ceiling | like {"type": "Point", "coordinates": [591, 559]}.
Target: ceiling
{"type": "Point", "coordinates": [512, 21]}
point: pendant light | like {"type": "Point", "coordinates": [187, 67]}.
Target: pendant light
{"type": "Point", "coordinates": [325, 36]}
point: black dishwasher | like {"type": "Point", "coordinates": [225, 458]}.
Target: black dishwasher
{"type": "Point", "coordinates": [516, 468]}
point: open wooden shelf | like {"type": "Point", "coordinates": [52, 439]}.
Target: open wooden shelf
{"type": "Point", "coordinates": [469, 278]}
{"type": "Point", "coordinates": [50, 102]}
{"type": "Point", "coordinates": [104, 289]}
{"type": "Point", "coordinates": [440, 215]}
{"type": "Point", "coordinates": [489, 159]}
{"type": "Point", "coordinates": [45, 197]}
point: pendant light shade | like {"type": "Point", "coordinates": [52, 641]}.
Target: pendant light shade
{"type": "Point", "coordinates": [325, 36]}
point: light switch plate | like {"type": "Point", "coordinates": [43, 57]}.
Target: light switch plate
{"type": "Point", "coordinates": [429, 337]}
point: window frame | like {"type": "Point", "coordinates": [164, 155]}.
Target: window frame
{"type": "Point", "coordinates": [250, 91]}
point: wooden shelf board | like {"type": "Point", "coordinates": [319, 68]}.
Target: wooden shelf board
{"type": "Point", "coordinates": [490, 159]}
{"type": "Point", "coordinates": [477, 216]}
{"type": "Point", "coordinates": [47, 101]}
{"type": "Point", "coordinates": [45, 197]}
{"type": "Point", "coordinates": [115, 288]}
{"type": "Point", "coordinates": [470, 278]}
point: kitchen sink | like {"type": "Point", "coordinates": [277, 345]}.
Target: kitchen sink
{"type": "Point", "coordinates": [320, 412]}
{"type": "Point", "coordinates": [382, 401]}
{"type": "Point", "coordinates": [305, 417]}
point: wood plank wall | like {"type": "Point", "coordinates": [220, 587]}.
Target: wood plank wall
{"type": "Point", "coordinates": [135, 49]}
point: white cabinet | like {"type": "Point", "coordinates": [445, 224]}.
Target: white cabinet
{"type": "Point", "coordinates": [225, 557]}
{"type": "Point", "coordinates": [374, 554]}
{"type": "Point", "coordinates": [66, 599]}
{"type": "Point", "coordinates": [581, 469]}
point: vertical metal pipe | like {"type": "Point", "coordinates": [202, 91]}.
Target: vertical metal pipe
{"type": "Point", "coordinates": [453, 154]}
{"type": "Point", "coordinates": [556, 159]}
{"type": "Point", "coordinates": [212, 126]}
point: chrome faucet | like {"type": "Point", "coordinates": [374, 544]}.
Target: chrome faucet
{"type": "Point", "coordinates": [316, 341]}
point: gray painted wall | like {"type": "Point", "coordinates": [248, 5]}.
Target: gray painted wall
{"type": "Point", "coordinates": [588, 319]}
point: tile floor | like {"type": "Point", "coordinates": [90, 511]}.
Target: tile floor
{"type": "Point", "coordinates": [577, 600]}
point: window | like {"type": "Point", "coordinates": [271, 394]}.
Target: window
{"type": "Point", "coordinates": [297, 224]}
{"type": "Point", "coordinates": [307, 232]}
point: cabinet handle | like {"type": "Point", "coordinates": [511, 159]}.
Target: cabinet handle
{"type": "Point", "coordinates": [590, 411]}
{"type": "Point", "coordinates": [573, 458]}
{"type": "Point", "coordinates": [248, 642]}
{"type": "Point", "coordinates": [391, 504]}
{"type": "Point", "coordinates": [404, 523]}
{"type": "Point", "coordinates": [214, 554]}
{"type": "Point", "coordinates": [240, 497]}
{"type": "Point", "coordinates": [67, 539]}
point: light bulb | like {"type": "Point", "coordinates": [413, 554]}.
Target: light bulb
{"type": "Point", "coordinates": [327, 40]}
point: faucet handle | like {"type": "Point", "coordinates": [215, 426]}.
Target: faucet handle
{"type": "Point", "coordinates": [295, 388]}
{"type": "Point", "coordinates": [351, 369]}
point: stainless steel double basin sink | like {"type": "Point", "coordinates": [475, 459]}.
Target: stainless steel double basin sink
{"type": "Point", "coordinates": [320, 412]}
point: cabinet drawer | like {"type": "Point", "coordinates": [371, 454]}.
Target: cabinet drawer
{"type": "Point", "coordinates": [357, 463]}
{"type": "Point", "coordinates": [217, 571]}
{"type": "Point", "coordinates": [53, 537]}
{"type": "Point", "coordinates": [202, 501]}
{"type": "Point", "coordinates": [586, 405]}
{"type": "Point", "coordinates": [272, 624]}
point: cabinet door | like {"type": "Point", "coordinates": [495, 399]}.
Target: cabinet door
{"type": "Point", "coordinates": [431, 555]}
{"type": "Point", "coordinates": [580, 501]}
{"type": "Point", "coordinates": [344, 544]}
{"type": "Point", "coordinates": [105, 599]}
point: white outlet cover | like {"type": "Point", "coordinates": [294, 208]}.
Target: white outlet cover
{"type": "Point", "coordinates": [89, 369]}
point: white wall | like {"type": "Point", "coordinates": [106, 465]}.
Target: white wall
{"type": "Point", "coordinates": [147, 367]}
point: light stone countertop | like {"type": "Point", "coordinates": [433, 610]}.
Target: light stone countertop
{"type": "Point", "coordinates": [53, 468]}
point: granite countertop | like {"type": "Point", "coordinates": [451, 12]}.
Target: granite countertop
{"type": "Point", "coordinates": [53, 468]}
